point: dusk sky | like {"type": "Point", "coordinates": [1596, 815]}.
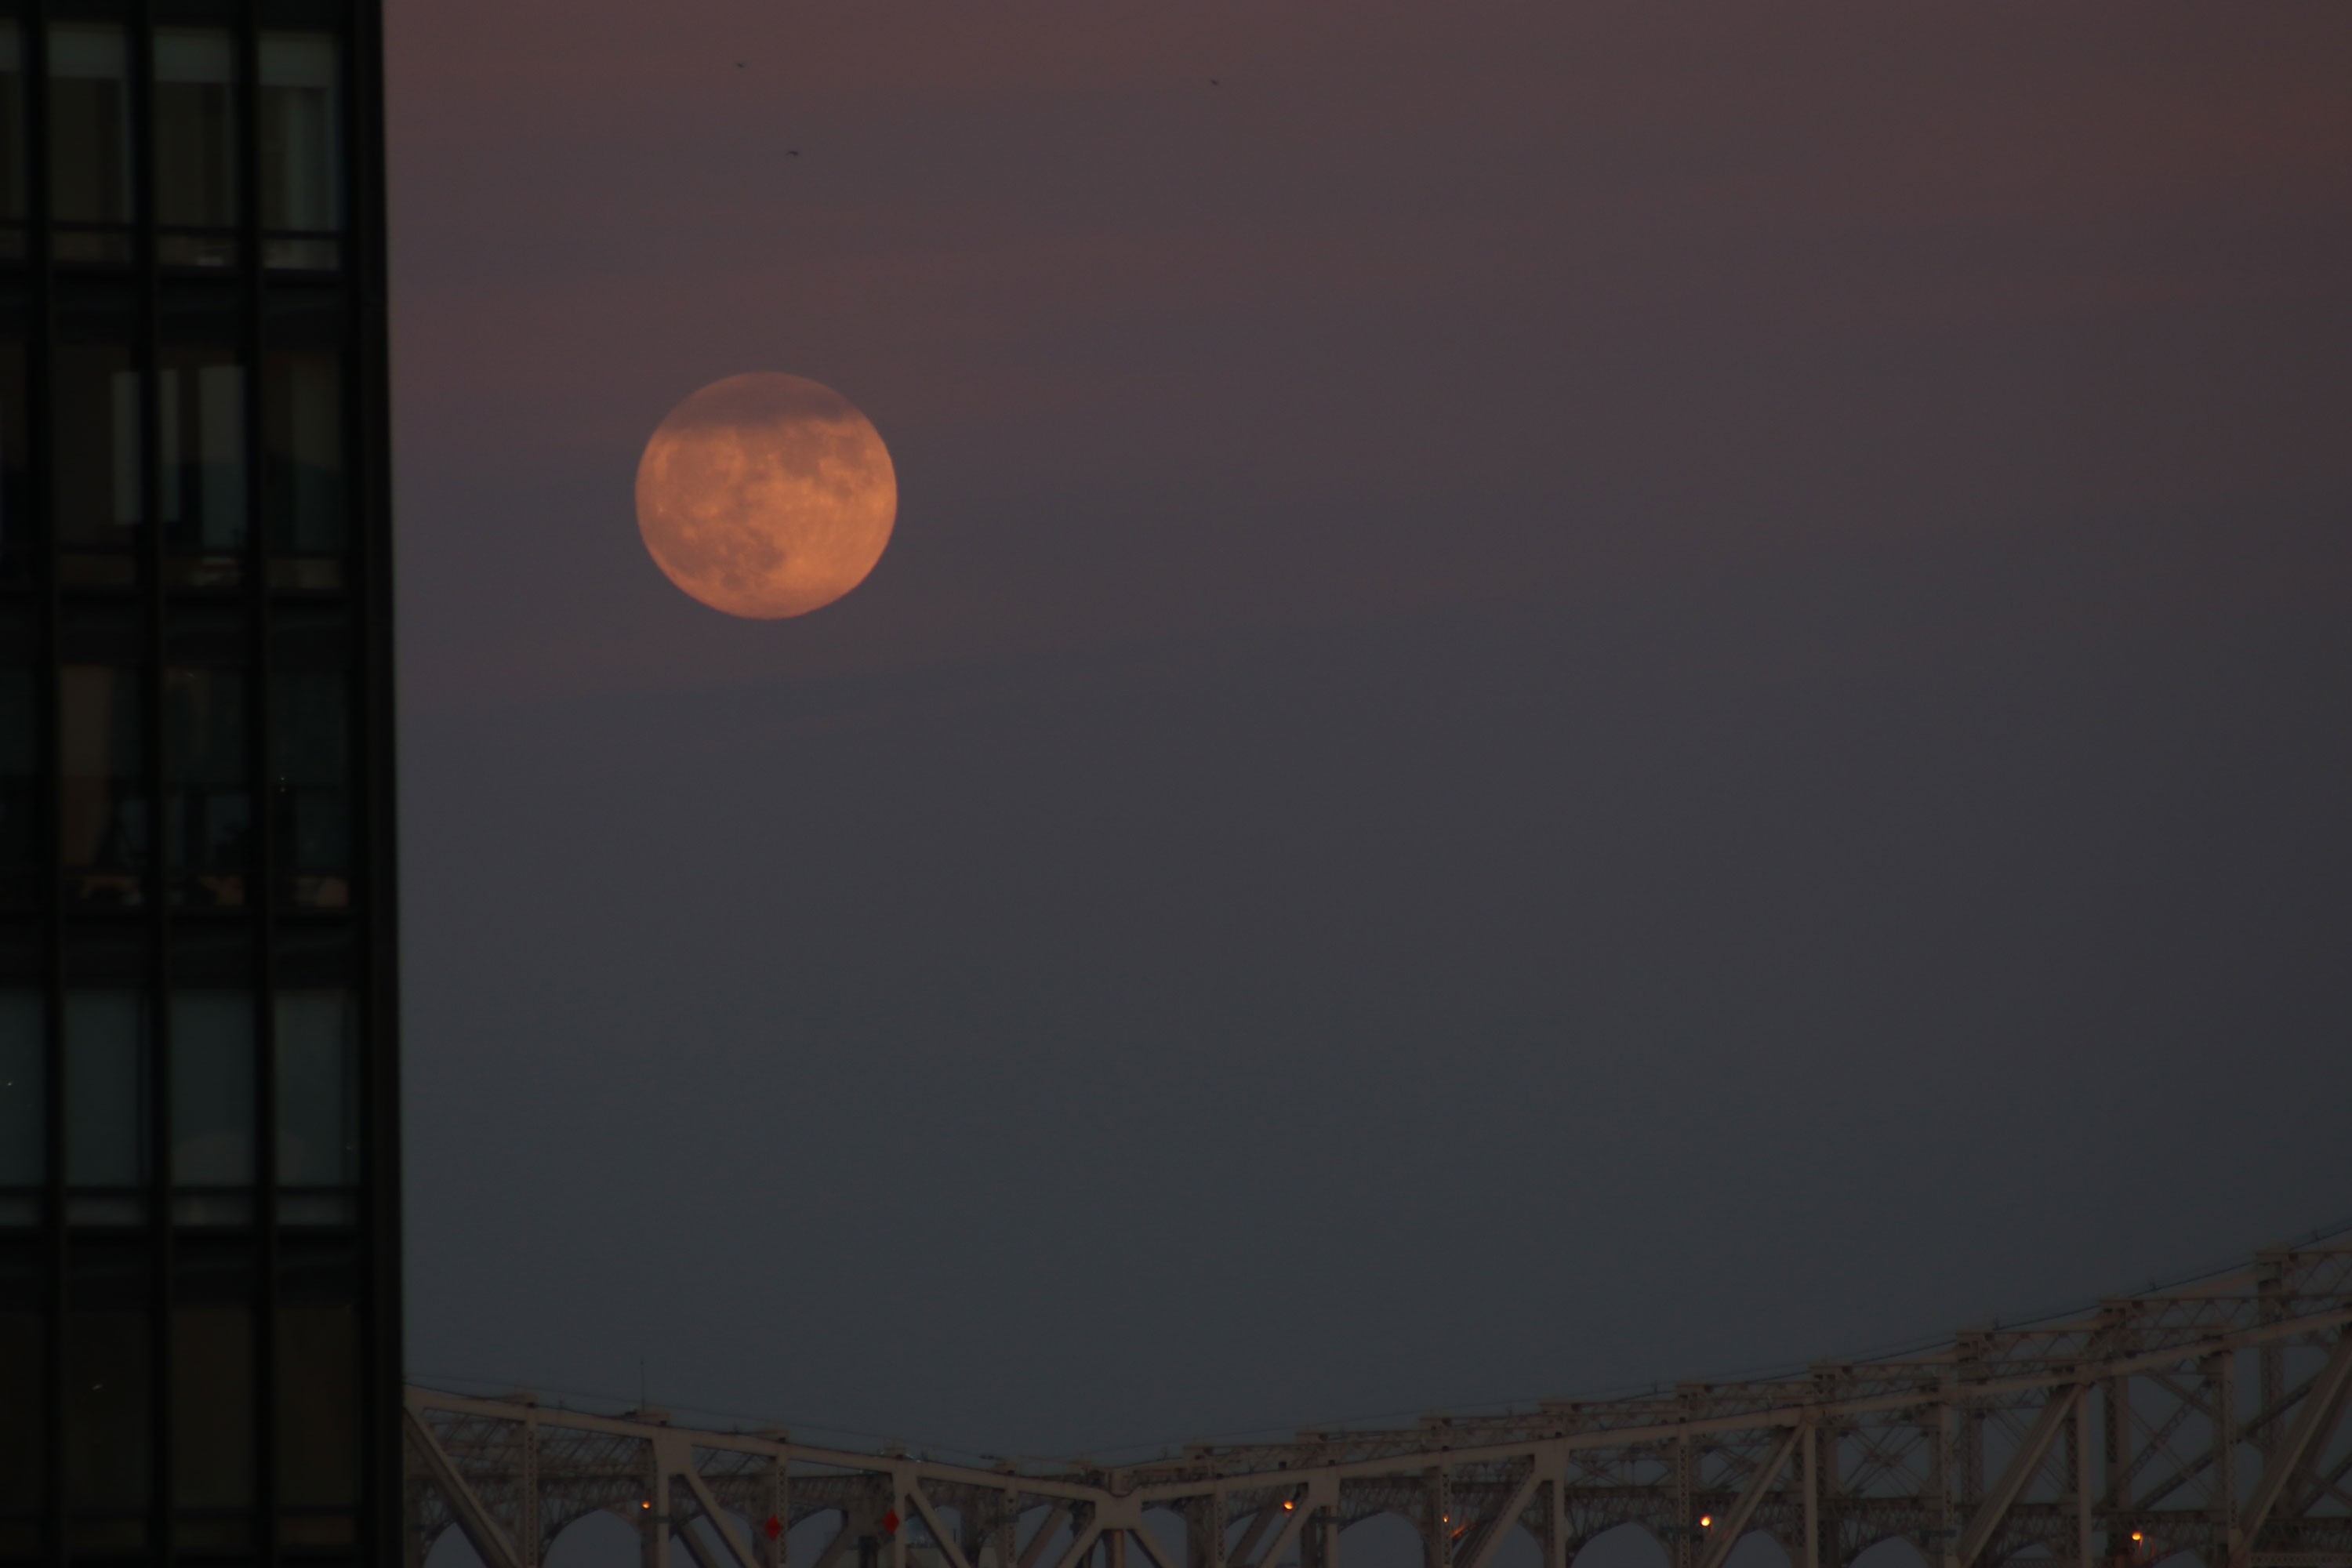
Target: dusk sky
{"type": "Point", "coordinates": [1565, 694]}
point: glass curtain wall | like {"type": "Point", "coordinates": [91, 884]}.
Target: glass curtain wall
{"type": "Point", "coordinates": [198, 1223]}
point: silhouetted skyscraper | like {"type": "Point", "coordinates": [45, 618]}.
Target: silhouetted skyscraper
{"type": "Point", "coordinates": [199, 1280]}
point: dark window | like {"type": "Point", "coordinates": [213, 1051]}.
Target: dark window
{"type": "Point", "coordinates": [212, 1391]}
{"type": "Point", "coordinates": [196, 147]}
{"type": "Point", "coordinates": [90, 143]}
{"type": "Point", "coordinates": [200, 404]}
{"type": "Point", "coordinates": [208, 798]}
{"type": "Point", "coordinates": [301, 158]}
{"type": "Point", "coordinates": [18, 538]}
{"type": "Point", "coordinates": [106, 1087]}
{"type": "Point", "coordinates": [108, 1373]}
{"type": "Point", "coordinates": [318, 1395]}
{"type": "Point", "coordinates": [311, 746]}
{"type": "Point", "coordinates": [213, 1089]}
{"type": "Point", "coordinates": [95, 422]}
{"type": "Point", "coordinates": [101, 784]}
{"type": "Point", "coordinates": [19, 791]}
{"type": "Point", "coordinates": [302, 433]}
{"type": "Point", "coordinates": [24, 1369]}
{"type": "Point", "coordinates": [23, 1104]}
{"type": "Point", "coordinates": [318, 1083]}
{"type": "Point", "coordinates": [12, 141]}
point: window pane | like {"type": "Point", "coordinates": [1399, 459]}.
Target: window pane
{"type": "Point", "coordinates": [212, 1380]}
{"type": "Point", "coordinates": [16, 533]}
{"type": "Point", "coordinates": [12, 139]}
{"type": "Point", "coordinates": [106, 1091]}
{"type": "Point", "coordinates": [90, 138]}
{"type": "Point", "coordinates": [201, 410]}
{"type": "Point", "coordinates": [302, 436]}
{"type": "Point", "coordinates": [196, 144]}
{"type": "Point", "coordinates": [96, 446]}
{"type": "Point", "coordinates": [102, 795]}
{"type": "Point", "coordinates": [208, 807]}
{"type": "Point", "coordinates": [310, 747]}
{"type": "Point", "coordinates": [212, 1089]}
{"type": "Point", "coordinates": [24, 1375]}
{"type": "Point", "coordinates": [301, 170]}
{"type": "Point", "coordinates": [318, 1383]}
{"type": "Point", "coordinates": [106, 1370]}
{"type": "Point", "coordinates": [24, 1110]}
{"type": "Point", "coordinates": [19, 800]}
{"type": "Point", "coordinates": [317, 1110]}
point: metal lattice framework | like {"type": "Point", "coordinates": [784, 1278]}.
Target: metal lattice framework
{"type": "Point", "coordinates": [2207, 1419]}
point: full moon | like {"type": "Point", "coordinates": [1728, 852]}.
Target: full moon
{"type": "Point", "coordinates": [766, 496]}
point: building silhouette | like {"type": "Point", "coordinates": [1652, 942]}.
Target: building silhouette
{"type": "Point", "coordinates": [199, 1236]}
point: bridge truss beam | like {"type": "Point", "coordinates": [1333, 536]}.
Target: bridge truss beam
{"type": "Point", "coordinates": [2114, 1437]}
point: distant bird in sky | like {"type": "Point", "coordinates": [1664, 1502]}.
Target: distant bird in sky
{"type": "Point", "coordinates": [1215, 82]}
{"type": "Point", "coordinates": [740, 64]}
{"type": "Point", "coordinates": [791, 151]}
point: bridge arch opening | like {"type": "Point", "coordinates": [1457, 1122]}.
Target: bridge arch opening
{"type": "Point", "coordinates": [1629, 1546]}
{"type": "Point", "coordinates": [1757, 1549]}
{"type": "Point", "coordinates": [598, 1539]}
{"type": "Point", "coordinates": [1893, 1552]}
{"type": "Point", "coordinates": [1381, 1540]}
{"type": "Point", "coordinates": [806, 1537]}
{"type": "Point", "coordinates": [452, 1550]}
{"type": "Point", "coordinates": [1517, 1549]}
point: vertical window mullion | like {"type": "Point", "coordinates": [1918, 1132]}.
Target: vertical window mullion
{"type": "Point", "coordinates": [141, 154]}
{"type": "Point", "coordinates": [262, 861]}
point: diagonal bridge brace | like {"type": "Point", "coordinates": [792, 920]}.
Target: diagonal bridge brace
{"type": "Point", "coordinates": [1731, 1526]}
{"type": "Point", "coordinates": [2322, 1407]}
{"type": "Point", "coordinates": [2022, 1468]}
{"type": "Point", "coordinates": [481, 1531]}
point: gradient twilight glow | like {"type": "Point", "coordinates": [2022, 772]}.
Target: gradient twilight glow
{"type": "Point", "coordinates": [766, 496]}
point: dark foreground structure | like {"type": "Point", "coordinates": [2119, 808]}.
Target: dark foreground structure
{"type": "Point", "coordinates": [199, 1237]}
{"type": "Point", "coordinates": [2206, 1421]}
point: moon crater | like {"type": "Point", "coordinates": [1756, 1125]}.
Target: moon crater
{"type": "Point", "coordinates": [766, 496]}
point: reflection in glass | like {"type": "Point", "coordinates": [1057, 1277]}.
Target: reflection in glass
{"type": "Point", "coordinates": [201, 411]}
{"type": "Point", "coordinates": [212, 1089]}
{"type": "Point", "coordinates": [95, 423]}
{"type": "Point", "coordinates": [207, 801]}
{"type": "Point", "coordinates": [196, 147]}
{"type": "Point", "coordinates": [23, 1107]}
{"type": "Point", "coordinates": [310, 737]}
{"type": "Point", "coordinates": [101, 784]}
{"type": "Point", "coordinates": [302, 443]}
{"type": "Point", "coordinates": [90, 143]}
{"type": "Point", "coordinates": [106, 1088]}
{"type": "Point", "coordinates": [318, 1109]}
{"type": "Point", "coordinates": [302, 166]}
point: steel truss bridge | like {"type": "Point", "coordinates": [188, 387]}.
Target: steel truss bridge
{"type": "Point", "coordinates": [2207, 1418]}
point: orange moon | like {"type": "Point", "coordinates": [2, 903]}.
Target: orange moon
{"type": "Point", "coordinates": [766, 496]}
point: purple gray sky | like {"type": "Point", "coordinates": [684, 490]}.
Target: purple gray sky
{"type": "Point", "coordinates": [1565, 693]}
